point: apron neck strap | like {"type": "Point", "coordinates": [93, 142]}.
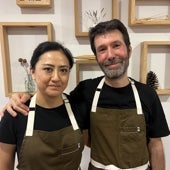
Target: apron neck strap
{"type": "Point", "coordinates": [70, 113]}
{"type": "Point", "coordinates": [31, 115]}
{"type": "Point", "coordinates": [137, 99]}
{"type": "Point", "coordinates": [96, 95]}
{"type": "Point", "coordinates": [135, 92]}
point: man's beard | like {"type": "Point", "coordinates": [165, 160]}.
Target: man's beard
{"type": "Point", "coordinates": [115, 73]}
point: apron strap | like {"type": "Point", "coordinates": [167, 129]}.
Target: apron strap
{"type": "Point", "coordinates": [70, 113]}
{"type": "Point", "coordinates": [96, 95]}
{"type": "Point", "coordinates": [137, 99]}
{"type": "Point", "coordinates": [136, 95]}
{"type": "Point", "coordinates": [31, 116]}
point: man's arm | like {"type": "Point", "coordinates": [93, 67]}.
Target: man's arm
{"type": "Point", "coordinates": [157, 158]}
{"type": "Point", "coordinates": [7, 156]}
{"type": "Point", "coordinates": [16, 102]}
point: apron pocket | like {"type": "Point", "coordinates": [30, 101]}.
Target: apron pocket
{"type": "Point", "coordinates": [71, 149]}
{"type": "Point", "coordinates": [133, 146]}
{"type": "Point", "coordinates": [71, 156]}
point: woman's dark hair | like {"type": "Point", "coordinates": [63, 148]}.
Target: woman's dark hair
{"type": "Point", "coordinates": [50, 46]}
{"type": "Point", "coordinates": [108, 26]}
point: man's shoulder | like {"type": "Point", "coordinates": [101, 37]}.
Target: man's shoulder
{"type": "Point", "coordinates": [144, 88]}
{"type": "Point", "coordinates": [92, 81]}
{"type": "Point", "coordinates": [85, 88]}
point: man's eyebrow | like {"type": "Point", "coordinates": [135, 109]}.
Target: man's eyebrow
{"type": "Point", "coordinates": [101, 46]}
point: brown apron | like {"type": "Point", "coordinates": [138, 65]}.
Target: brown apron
{"type": "Point", "coordinates": [118, 137]}
{"type": "Point", "coordinates": [56, 150]}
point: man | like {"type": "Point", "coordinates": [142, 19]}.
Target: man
{"type": "Point", "coordinates": [126, 120]}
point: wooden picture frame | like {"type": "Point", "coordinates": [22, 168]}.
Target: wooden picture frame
{"type": "Point", "coordinates": [144, 63]}
{"type": "Point", "coordinates": [86, 63]}
{"type": "Point", "coordinates": [79, 15]}
{"type": "Point", "coordinates": [33, 3]}
{"type": "Point", "coordinates": [81, 62]}
{"type": "Point", "coordinates": [41, 27]}
{"type": "Point", "coordinates": [158, 17]}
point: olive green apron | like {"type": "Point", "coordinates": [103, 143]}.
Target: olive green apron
{"type": "Point", "coordinates": [118, 137]}
{"type": "Point", "coordinates": [56, 150]}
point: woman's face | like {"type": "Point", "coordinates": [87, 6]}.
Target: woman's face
{"type": "Point", "coordinates": [51, 73]}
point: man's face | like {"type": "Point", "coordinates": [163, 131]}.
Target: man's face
{"type": "Point", "coordinates": [112, 54]}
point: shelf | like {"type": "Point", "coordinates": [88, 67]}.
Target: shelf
{"type": "Point", "coordinates": [155, 12]}
{"type": "Point", "coordinates": [160, 65]}
{"type": "Point", "coordinates": [33, 3]}
{"type": "Point", "coordinates": [107, 9]}
{"type": "Point", "coordinates": [13, 37]}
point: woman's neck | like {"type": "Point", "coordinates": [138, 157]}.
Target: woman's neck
{"type": "Point", "coordinates": [48, 101]}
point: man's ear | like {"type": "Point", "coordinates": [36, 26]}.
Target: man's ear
{"type": "Point", "coordinates": [130, 51]}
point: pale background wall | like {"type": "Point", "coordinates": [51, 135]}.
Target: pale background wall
{"type": "Point", "coordinates": [61, 15]}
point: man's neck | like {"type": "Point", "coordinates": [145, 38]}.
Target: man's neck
{"type": "Point", "coordinates": [117, 82]}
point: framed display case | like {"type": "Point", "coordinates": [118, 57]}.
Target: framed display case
{"type": "Point", "coordinates": [33, 3]}
{"type": "Point", "coordinates": [159, 53]}
{"type": "Point", "coordinates": [89, 13]}
{"type": "Point", "coordinates": [87, 61]}
{"type": "Point", "coordinates": [144, 12]}
{"type": "Point", "coordinates": [18, 40]}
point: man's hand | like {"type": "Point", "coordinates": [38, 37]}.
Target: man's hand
{"type": "Point", "coordinates": [2, 111]}
{"type": "Point", "coordinates": [17, 103]}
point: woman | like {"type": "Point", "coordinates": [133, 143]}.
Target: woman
{"type": "Point", "coordinates": [49, 137]}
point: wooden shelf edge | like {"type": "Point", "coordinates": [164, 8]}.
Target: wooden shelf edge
{"type": "Point", "coordinates": [163, 91]}
{"type": "Point", "coordinates": [32, 4]}
{"type": "Point", "coordinates": [147, 43]}
{"type": "Point", "coordinates": [85, 57]}
{"type": "Point", "coordinates": [149, 23]}
{"type": "Point", "coordinates": [81, 34]}
{"type": "Point", "coordinates": [25, 24]}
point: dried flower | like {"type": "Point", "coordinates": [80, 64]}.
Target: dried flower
{"type": "Point", "coordinates": [95, 16]}
{"type": "Point", "coordinates": [24, 64]}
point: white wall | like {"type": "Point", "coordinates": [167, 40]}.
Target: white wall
{"type": "Point", "coordinates": [61, 15]}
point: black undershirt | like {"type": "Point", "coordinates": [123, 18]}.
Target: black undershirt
{"type": "Point", "coordinates": [12, 129]}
